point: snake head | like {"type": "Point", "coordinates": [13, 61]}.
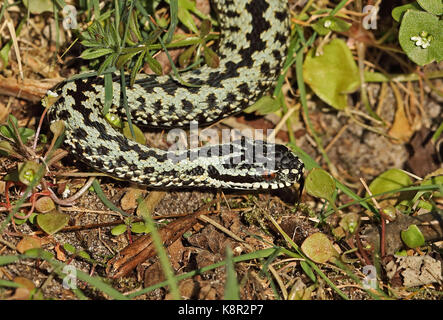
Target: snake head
{"type": "Point", "coordinates": [253, 164]}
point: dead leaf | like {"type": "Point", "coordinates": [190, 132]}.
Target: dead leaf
{"type": "Point", "coordinates": [28, 242]}
{"type": "Point", "coordinates": [129, 200]}
{"type": "Point", "coordinates": [60, 253]}
{"type": "Point", "coordinates": [401, 128]}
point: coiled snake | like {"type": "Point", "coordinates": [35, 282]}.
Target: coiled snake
{"type": "Point", "coordinates": [253, 46]}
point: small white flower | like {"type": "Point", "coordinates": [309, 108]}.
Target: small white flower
{"type": "Point", "coordinates": [327, 23]}
{"type": "Point", "coordinates": [66, 193]}
{"type": "Point", "coordinates": [423, 40]}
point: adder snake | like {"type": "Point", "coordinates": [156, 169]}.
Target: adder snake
{"type": "Point", "coordinates": [253, 46]}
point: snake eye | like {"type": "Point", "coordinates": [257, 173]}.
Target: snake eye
{"type": "Point", "coordinates": [268, 175]}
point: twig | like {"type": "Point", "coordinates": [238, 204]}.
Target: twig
{"type": "Point", "coordinates": [69, 201]}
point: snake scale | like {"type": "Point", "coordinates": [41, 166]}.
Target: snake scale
{"type": "Point", "coordinates": [252, 49]}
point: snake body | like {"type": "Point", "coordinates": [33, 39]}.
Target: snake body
{"type": "Point", "coordinates": [253, 46]}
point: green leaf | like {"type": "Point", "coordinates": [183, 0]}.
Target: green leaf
{"type": "Point", "coordinates": [94, 53]}
{"type": "Point", "coordinates": [432, 6]}
{"type": "Point", "coordinates": [186, 56]}
{"type": "Point", "coordinates": [174, 9]}
{"type": "Point", "coordinates": [6, 132]}
{"type": "Point", "coordinates": [123, 59]}
{"type": "Point", "coordinates": [397, 12]}
{"type": "Point", "coordinates": [211, 58]}
{"type": "Point", "coordinates": [137, 66]}
{"type": "Point", "coordinates": [109, 92]}
{"type": "Point", "coordinates": [139, 136]}
{"type": "Point", "coordinates": [350, 222]}
{"type": "Point", "coordinates": [391, 179]}
{"type": "Point", "coordinates": [318, 248]}
{"type": "Point", "coordinates": [205, 28]}
{"type": "Point", "coordinates": [134, 30]}
{"type": "Point", "coordinates": [327, 24]}
{"type": "Point", "coordinates": [119, 229]}
{"type": "Point", "coordinates": [44, 204]}
{"type": "Point", "coordinates": [320, 184]}
{"type": "Point", "coordinates": [6, 148]}
{"type": "Point", "coordinates": [140, 227]}
{"type": "Point", "coordinates": [420, 37]}
{"type": "Point", "coordinates": [25, 134]}
{"type": "Point", "coordinates": [186, 18]}
{"type": "Point", "coordinates": [154, 65]}
{"type": "Point", "coordinates": [114, 120]}
{"type": "Point", "coordinates": [333, 74]}
{"type": "Point", "coordinates": [27, 172]}
{"type": "Point", "coordinates": [69, 248]}
{"type": "Point", "coordinates": [308, 270]}
{"type": "Point", "coordinates": [52, 222]}
{"type": "Point", "coordinates": [109, 61]}
{"type": "Point", "coordinates": [413, 237]}
{"type": "Point", "coordinates": [264, 105]}
{"type": "Point", "coordinates": [39, 6]}
{"type": "Point", "coordinates": [83, 254]}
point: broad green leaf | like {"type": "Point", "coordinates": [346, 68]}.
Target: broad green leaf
{"type": "Point", "coordinates": [119, 229]}
{"type": "Point", "coordinates": [83, 254]}
{"type": "Point", "coordinates": [140, 227]}
{"type": "Point", "coordinates": [52, 222]}
{"type": "Point", "coordinates": [318, 248]}
{"type": "Point", "coordinates": [432, 6]}
{"type": "Point", "coordinates": [391, 179]}
{"type": "Point", "coordinates": [69, 248]}
{"type": "Point", "coordinates": [412, 237]}
{"type": "Point", "coordinates": [139, 136]}
{"type": "Point", "coordinates": [44, 204]}
{"type": "Point", "coordinates": [39, 6]}
{"type": "Point", "coordinates": [27, 171]}
{"type": "Point", "coordinates": [333, 74]}
{"type": "Point", "coordinates": [397, 12]}
{"type": "Point", "coordinates": [421, 37]}
{"type": "Point", "coordinates": [320, 184]}
{"type": "Point", "coordinates": [264, 105]}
